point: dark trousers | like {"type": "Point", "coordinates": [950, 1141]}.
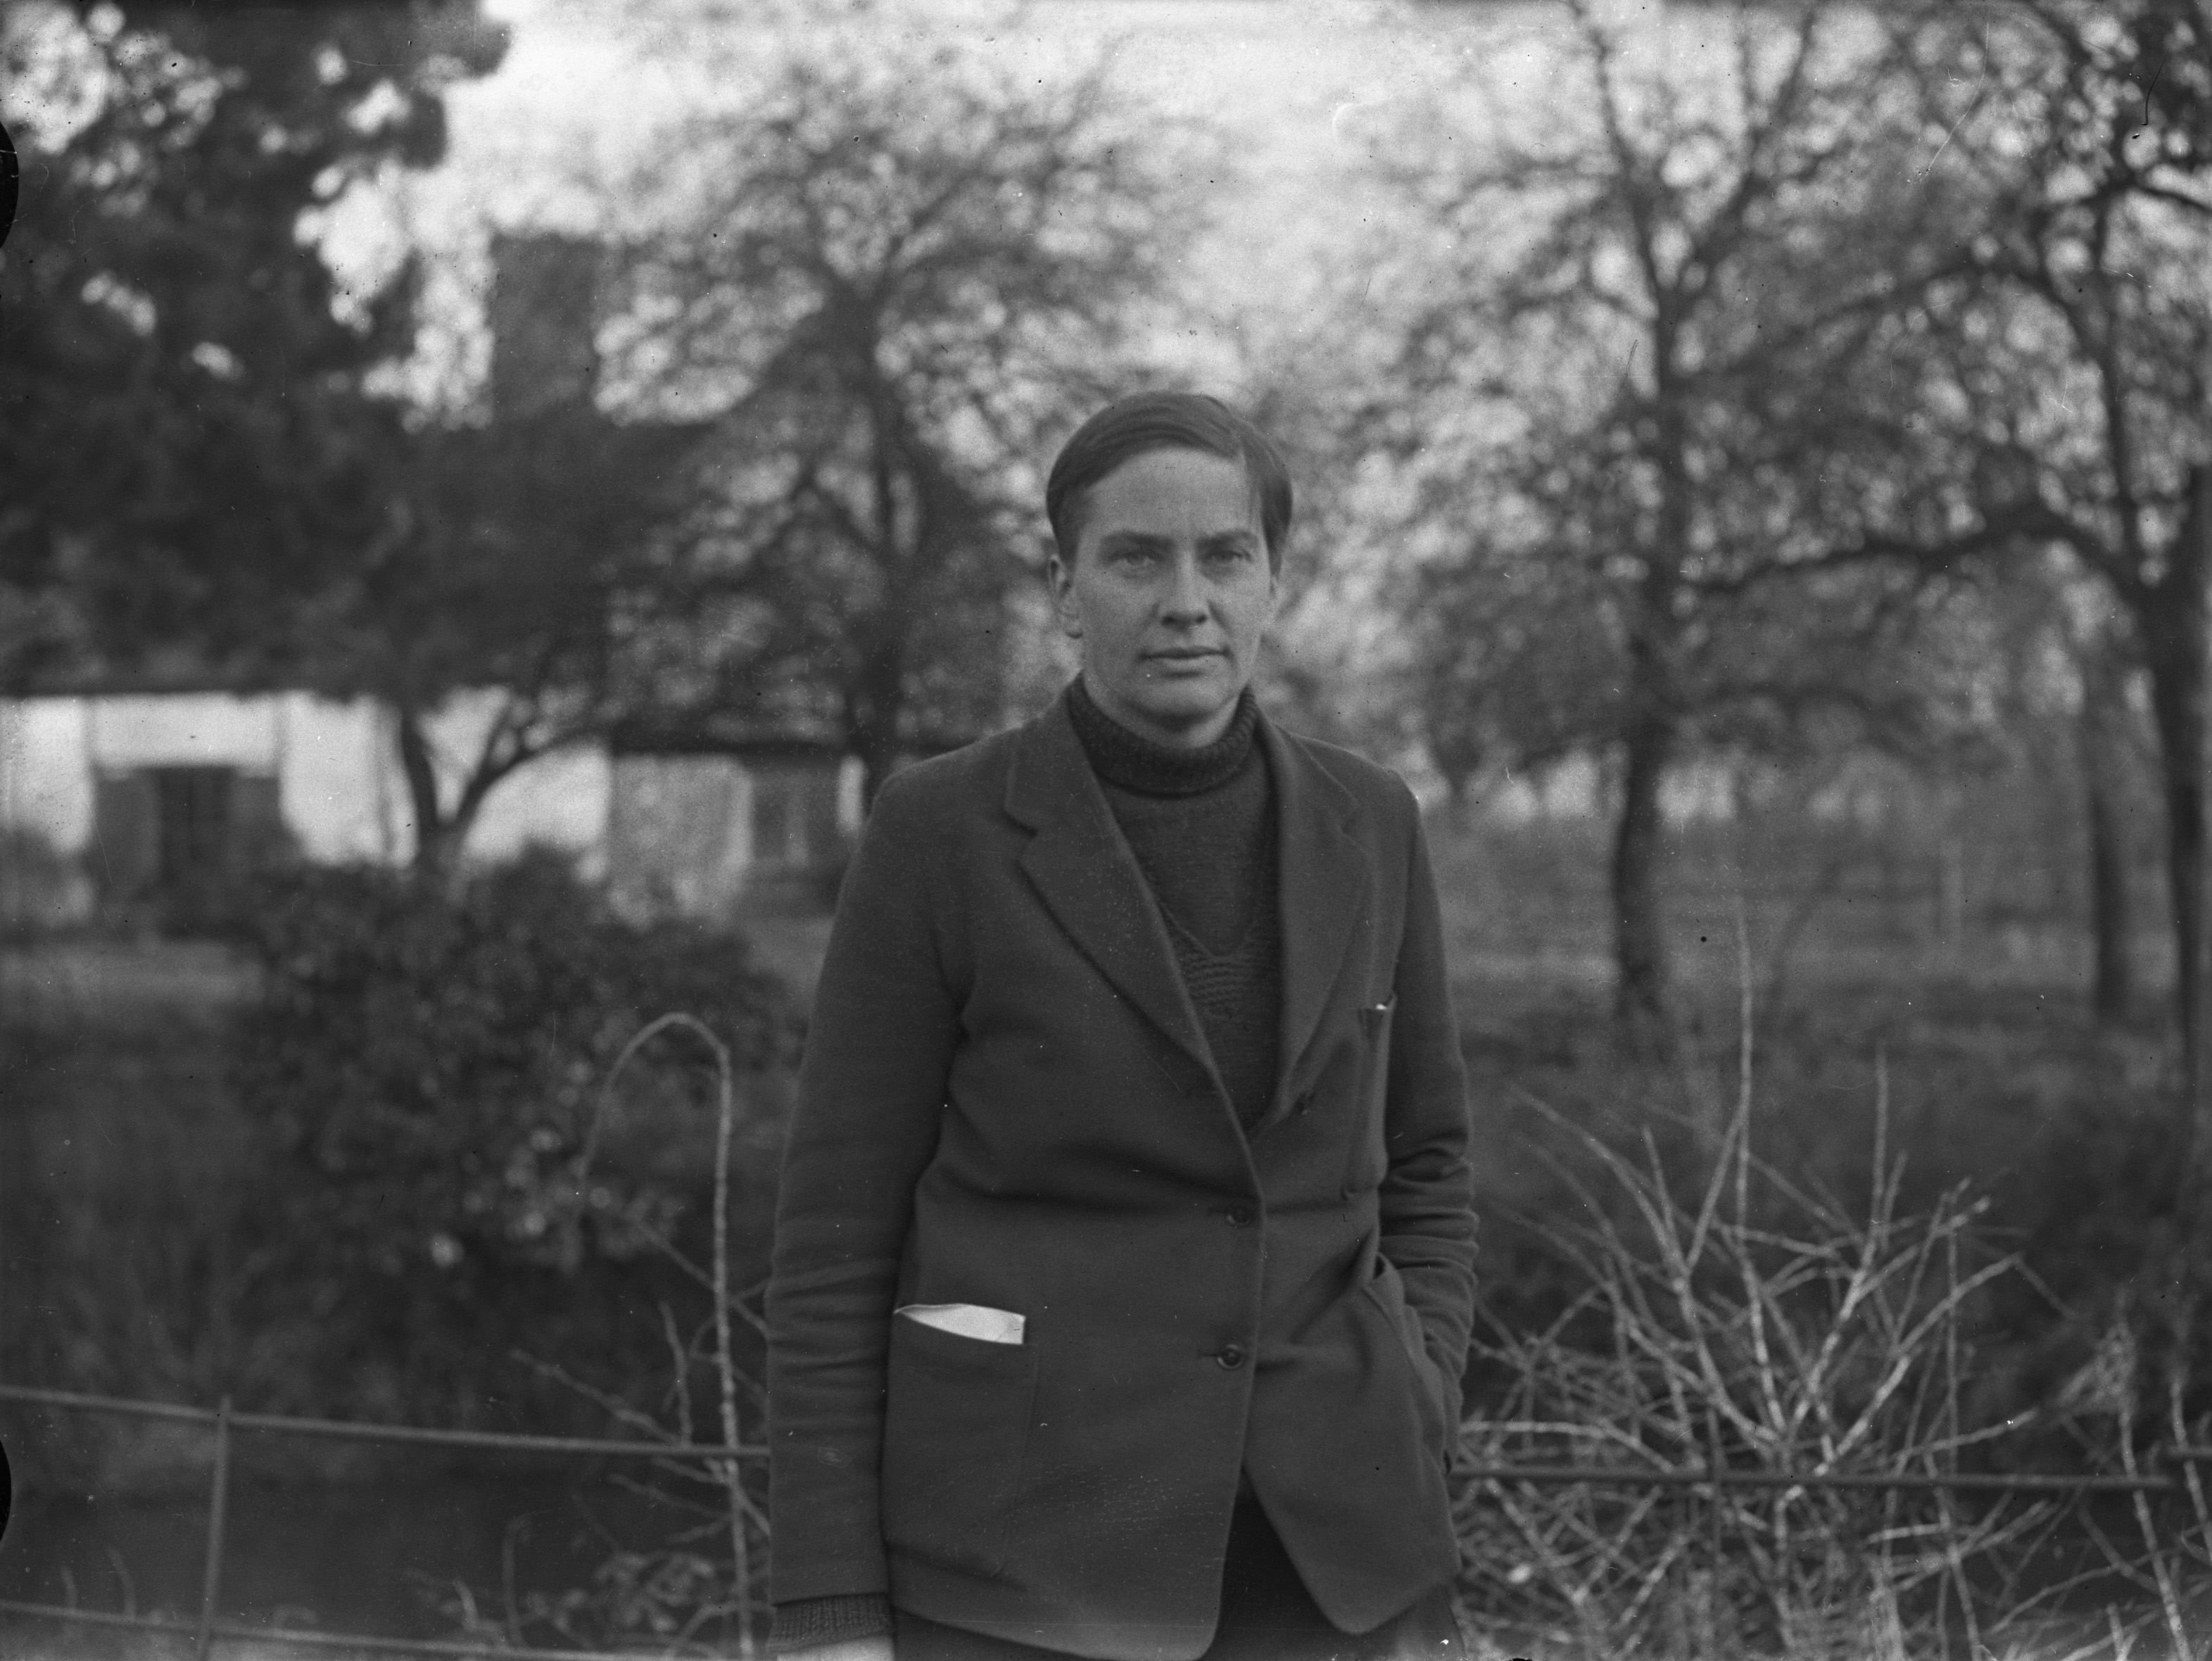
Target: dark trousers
{"type": "Point", "coordinates": [1265, 1615]}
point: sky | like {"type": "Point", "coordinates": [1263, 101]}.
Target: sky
{"type": "Point", "coordinates": [1302, 91]}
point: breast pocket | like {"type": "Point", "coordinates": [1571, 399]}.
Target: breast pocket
{"type": "Point", "coordinates": [1369, 1153]}
{"type": "Point", "coordinates": [956, 1429]}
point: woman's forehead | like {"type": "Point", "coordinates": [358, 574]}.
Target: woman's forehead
{"type": "Point", "coordinates": [1173, 490]}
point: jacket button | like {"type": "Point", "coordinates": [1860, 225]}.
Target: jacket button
{"type": "Point", "coordinates": [1238, 1216]}
{"type": "Point", "coordinates": [1231, 1356]}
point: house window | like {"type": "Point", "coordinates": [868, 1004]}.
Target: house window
{"type": "Point", "coordinates": [193, 821]}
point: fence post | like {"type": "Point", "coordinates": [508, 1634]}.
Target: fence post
{"type": "Point", "coordinates": [218, 1504]}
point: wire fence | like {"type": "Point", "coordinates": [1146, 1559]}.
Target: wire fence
{"type": "Point", "coordinates": [225, 1423]}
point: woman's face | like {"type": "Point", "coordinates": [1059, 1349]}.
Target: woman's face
{"type": "Point", "coordinates": [1171, 593]}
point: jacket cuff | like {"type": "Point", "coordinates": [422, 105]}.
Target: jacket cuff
{"type": "Point", "coordinates": [812, 1621]}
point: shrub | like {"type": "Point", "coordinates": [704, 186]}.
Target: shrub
{"type": "Point", "coordinates": [1756, 1326]}
{"type": "Point", "coordinates": [42, 889]}
{"type": "Point", "coordinates": [453, 1172]}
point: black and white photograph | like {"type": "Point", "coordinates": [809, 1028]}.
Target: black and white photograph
{"type": "Point", "coordinates": [1139, 830]}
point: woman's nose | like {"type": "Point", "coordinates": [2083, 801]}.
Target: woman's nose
{"type": "Point", "coordinates": [1186, 594]}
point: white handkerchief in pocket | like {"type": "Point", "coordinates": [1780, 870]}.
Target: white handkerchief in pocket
{"type": "Point", "coordinates": [993, 1326]}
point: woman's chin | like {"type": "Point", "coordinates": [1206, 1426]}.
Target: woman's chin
{"type": "Point", "coordinates": [1188, 711]}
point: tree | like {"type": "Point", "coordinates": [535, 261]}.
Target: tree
{"type": "Point", "coordinates": [2078, 331]}
{"type": "Point", "coordinates": [524, 567]}
{"type": "Point", "coordinates": [900, 280]}
{"type": "Point", "coordinates": [210, 482]}
{"type": "Point", "coordinates": [1624, 438]}
{"type": "Point", "coordinates": [2104, 731]}
{"type": "Point", "coordinates": [190, 446]}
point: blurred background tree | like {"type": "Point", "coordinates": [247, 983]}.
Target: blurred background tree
{"type": "Point", "coordinates": [522, 567]}
{"type": "Point", "coordinates": [918, 274]}
{"type": "Point", "coordinates": [1624, 420]}
{"type": "Point", "coordinates": [191, 445]}
{"type": "Point", "coordinates": [2077, 335]}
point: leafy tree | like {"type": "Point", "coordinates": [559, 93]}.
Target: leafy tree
{"type": "Point", "coordinates": [899, 280]}
{"type": "Point", "coordinates": [453, 1168]}
{"type": "Point", "coordinates": [189, 445]}
{"type": "Point", "coordinates": [1628, 450]}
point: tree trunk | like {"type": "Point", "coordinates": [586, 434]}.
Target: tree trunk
{"type": "Point", "coordinates": [1640, 947]}
{"type": "Point", "coordinates": [2111, 922]}
{"type": "Point", "coordinates": [436, 863]}
{"type": "Point", "coordinates": [2176, 702]}
{"type": "Point", "coordinates": [879, 758]}
{"type": "Point", "coordinates": [2171, 617]}
{"type": "Point", "coordinates": [873, 704]}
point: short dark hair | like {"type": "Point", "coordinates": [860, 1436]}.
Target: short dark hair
{"type": "Point", "coordinates": [1145, 422]}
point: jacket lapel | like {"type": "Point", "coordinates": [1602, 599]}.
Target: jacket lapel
{"type": "Point", "coordinates": [1090, 881]}
{"type": "Point", "coordinates": [1323, 898]}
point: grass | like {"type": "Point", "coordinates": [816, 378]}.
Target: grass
{"type": "Point", "coordinates": [119, 1152]}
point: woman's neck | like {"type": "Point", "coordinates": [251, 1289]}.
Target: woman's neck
{"type": "Point", "coordinates": [1129, 759]}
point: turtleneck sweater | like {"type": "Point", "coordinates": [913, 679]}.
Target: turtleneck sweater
{"type": "Point", "coordinates": [1202, 825]}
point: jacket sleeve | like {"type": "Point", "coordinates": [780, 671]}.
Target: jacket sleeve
{"type": "Point", "coordinates": [1428, 1190]}
{"type": "Point", "coordinates": [870, 1093]}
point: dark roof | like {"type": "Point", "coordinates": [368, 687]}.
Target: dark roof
{"type": "Point", "coordinates": [175, 674]}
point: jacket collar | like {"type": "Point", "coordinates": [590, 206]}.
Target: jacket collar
{"type": "Point", "coordinates": [1091, 882]}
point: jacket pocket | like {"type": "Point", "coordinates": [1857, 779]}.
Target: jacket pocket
{"type": "Point", "coordinates": [1369, 1153]}
{"type": "Point", "coordinates": [1388, 1292]}
{"type": "Point", "coordinates": [956, 1429]}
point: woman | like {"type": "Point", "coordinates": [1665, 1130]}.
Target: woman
{"type": "Point", "coordinates": [1124, 1249]}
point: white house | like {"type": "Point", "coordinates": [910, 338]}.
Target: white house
{"type": "Point", "coordinates": [120, 802]}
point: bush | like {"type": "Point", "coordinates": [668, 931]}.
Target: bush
{"type": "Point", "coordinates": [453, 1173]}
{"type": "Point", "coordinates": [42, 889]}
{"type": "Point", "coordinates": [1751, 1324]}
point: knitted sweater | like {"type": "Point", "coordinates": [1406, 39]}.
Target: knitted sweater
{"type": "Point", "coordinates": [1202, 825]}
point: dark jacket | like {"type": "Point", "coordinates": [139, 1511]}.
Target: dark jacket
{"type": "Point", "coordinates": [1007, 1100]}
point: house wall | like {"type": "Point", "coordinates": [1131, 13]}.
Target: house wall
{"type": "Point", "coordinates": [45, 783]}
{"type": "Point", "coordinates": [338, 780]}
{"type": "Point", "coordinates": [679, 834]}
{"type": "Point", "coordinates": [713, 835]}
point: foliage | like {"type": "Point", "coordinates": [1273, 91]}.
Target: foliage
{"type": "Point", "coordinates": [210, 485]}
{"type": "Point", "coordinates": [453, 1172]}
{"type": "Point", "coordinates": [687, 1584]}
{"type": "Point", "coordinates": [919, 272]}
{"type": "Point", "coordinates": [41, 887]}
{"type": "Point", "coordinates": [190, 446]}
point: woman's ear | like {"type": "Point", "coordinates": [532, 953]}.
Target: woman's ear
{"type": "Point", "coordinates": [1065, 605]}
